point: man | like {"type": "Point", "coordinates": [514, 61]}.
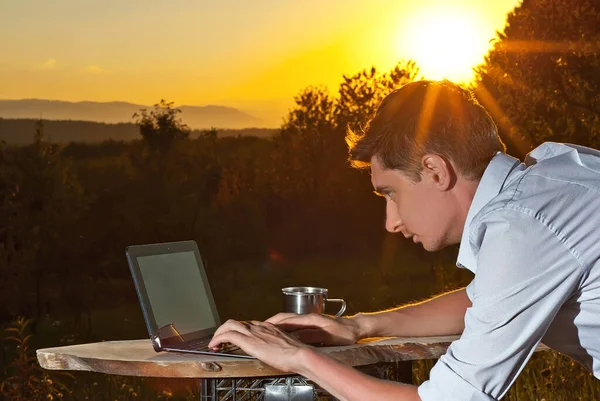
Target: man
{"type": "Point", "coordinates": [530, 233]}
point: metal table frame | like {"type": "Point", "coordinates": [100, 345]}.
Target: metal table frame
{"type": "Point", "coordinates": [253, 389]}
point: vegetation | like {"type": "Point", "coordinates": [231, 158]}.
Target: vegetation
{"type": "Point", "coordinates": [161, 127]}
{"type": "Point", "coordinates": [267, 212]}
{"type": "Point", "coordinates": [540, 80]}
{"type": "Point", "coordinates": [91, 135]}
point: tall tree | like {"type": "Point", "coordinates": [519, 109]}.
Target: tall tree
{"type": "Point", "coordinates": [311, 153]}
{"type": "Point", "coordinates": [361, 93]}
{"type": "Point", "coordinates": [314, 130]}
{"type": "Point", "coordinates": [304, 138]}
{"type": "Point", "coordinates": [541, 79]}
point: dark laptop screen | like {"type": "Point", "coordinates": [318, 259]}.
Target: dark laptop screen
{"type": "Point", "coordinates": [177, 295]}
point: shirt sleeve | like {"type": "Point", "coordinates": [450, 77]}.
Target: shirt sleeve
{"type": "Point", "coordinates": [525, 272]}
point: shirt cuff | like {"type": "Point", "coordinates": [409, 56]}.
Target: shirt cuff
{"type": "Point", "coordinates": [445, 384]}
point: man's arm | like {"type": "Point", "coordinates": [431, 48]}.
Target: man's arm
{"type": "Point", "coordinates": [442, 315]}
{"type": "Point", "coordinates": [348, 384]}
{"type": "Point", "coordinates": [525, 274]}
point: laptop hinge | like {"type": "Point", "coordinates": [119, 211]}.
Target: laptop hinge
{"type": "Point", "coordinates": [156, 342]}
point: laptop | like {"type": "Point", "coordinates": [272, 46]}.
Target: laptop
{"type": "Point", "coordinates": [175, 296]}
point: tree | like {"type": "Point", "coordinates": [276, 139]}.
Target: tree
{"type": "Point", "coordinates": [38, 192]}
{"type": "Point", "coordinates": [313, 133]}
{"type": "Point", "coordinates": [361, 94]}
{"type": "Point", "coordinates": [161, 126]}
{"type": "Point", "coordinates": [211, 133]}
{"type": "Point", "coordinates": [303, 140]}
{"type": "Point", "coordinates": [311, 156]}
{"type": "Point", "coordinates": [542, 78]}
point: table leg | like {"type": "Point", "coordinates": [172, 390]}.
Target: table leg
{"type": "Point", "coordinates": [208, 389]}
{"type": "Point", "coordinates": [404, 372]}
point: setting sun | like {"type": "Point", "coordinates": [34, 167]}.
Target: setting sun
{"type": "Point", "coordinates": [252, 56]}
{"type": "Point", "coordinates": [445, 43]}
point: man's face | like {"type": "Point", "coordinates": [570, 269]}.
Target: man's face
{"type": "Point", "coordinates": [418, 210]}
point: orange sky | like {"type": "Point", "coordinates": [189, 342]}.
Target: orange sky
{"type": "Point", "coordinates": [251, 54]}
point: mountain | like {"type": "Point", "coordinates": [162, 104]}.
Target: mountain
{"type": "Point", "coordinates": [21, 131]}
{"type": "Point", "coordinates": [196, 117]}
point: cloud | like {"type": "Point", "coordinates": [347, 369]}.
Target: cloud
{"type": "Point", "coordinates": [94, 69]}
{"type": "Point", "coordinates": [49, 64]}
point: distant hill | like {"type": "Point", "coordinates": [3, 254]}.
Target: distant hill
{"type": "Point", "coordinates": [197, 117]}
{"type": "Point", "coordinates": [21, 131]}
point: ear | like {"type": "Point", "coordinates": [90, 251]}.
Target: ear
{"type": "Point", "coordinates": [438, 171]}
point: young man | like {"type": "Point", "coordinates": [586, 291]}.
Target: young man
{"type": "Point", "coordinates": [529, 231]}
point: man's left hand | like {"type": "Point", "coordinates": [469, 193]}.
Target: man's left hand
{"type": "Point", "coordinates": [263, 341]}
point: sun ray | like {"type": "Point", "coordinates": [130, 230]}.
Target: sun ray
{"type": "Point", "coordinates": [522, 144]}
{"type": "Point", "coordinates": [541, 46]}
{"type": "Point", "coordinates": [508, 78]}
{"type": "Point", "coordinates": [426, 114]}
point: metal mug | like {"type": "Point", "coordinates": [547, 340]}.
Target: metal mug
{"type": "Point", "coordinates": [303, 300]}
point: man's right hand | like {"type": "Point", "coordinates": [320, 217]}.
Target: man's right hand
{"type": "Point", "coordinates": [318, 329]}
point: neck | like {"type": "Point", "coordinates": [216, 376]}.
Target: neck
{"type": "Point", "coordinates": [464, 192]}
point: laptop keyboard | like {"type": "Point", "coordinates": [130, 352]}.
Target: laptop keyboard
{"type": "Point", "coordinates": [202, 345]}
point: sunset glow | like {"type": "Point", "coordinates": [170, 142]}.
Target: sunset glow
{"type": "Point", "coordinates": [255, 56]}
{"type": "Point", "coordinates": [446, 43]}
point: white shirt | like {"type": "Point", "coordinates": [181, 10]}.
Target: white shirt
{"type": "Point", "coordinates": [532, 238]}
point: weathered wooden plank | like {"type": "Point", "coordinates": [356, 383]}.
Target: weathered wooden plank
{"type": "Point", "coordinates": [138, 358]}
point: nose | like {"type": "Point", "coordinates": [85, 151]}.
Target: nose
{"type": "Point", "coordinates": [393, 222]}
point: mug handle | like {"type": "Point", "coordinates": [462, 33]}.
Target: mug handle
{"type": "Point", "coordinates": [342, 309]}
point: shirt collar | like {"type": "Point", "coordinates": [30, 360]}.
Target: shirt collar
{"type": "Point", "coordinates": [490, 185]}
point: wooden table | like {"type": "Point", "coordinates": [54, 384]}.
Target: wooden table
{"type": "Point", "coordinates": [138, 358]}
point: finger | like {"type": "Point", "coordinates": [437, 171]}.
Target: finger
{"type": "Point", "coordinates": [303, 321]}
{"type": "Point", "coordinates": [223, 328]}
{"type": "Point", "coordinates": [232, 325]}
{"type": "Point", "coordinates": [280, 316]}
{"type": "Point", "coordinates": [311, 318]}
{"type": "Point", "coordinates": [233, 337]}
{"type": "Point", "coordinates": [292, 327]}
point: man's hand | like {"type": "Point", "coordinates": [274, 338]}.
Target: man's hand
{"type": "Point", "coordinates": [263, 341]}
{"type": "Point", "coordinates": [318, 329]}
{"type": "Point", "coordinates": [277, 349]}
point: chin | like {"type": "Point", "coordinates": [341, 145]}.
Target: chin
{"type": "Point", "coordinates": [429, 248]}
{"type": "Point", "coordinates": [432, 247]}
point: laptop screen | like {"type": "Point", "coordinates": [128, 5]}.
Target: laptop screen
{"type": "Point", "coordinates": [176, 292]}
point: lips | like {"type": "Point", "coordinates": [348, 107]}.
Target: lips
{"type": "Point", "coordinates": [411, 236]}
